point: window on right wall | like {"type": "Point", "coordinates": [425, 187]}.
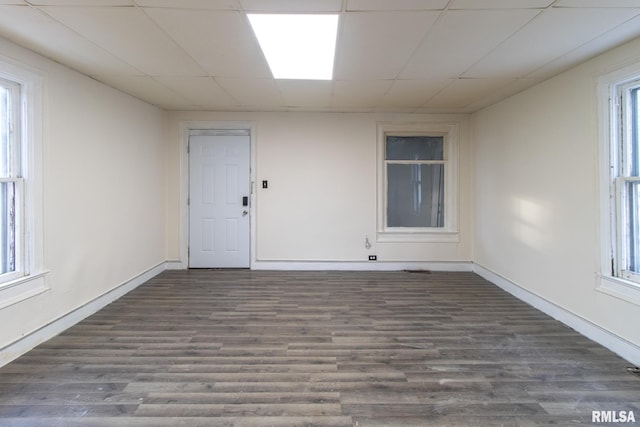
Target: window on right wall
{"type": "Point", "coordinates": [417, 186]}
{"type": "Point", "coordinates": [620, 183]}
{"type": "Point", "coordinates": [626, 171]}
{"type": "Point", "coordinates": [625, 180]}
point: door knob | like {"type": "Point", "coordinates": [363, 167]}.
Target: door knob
{"type": "Point", "coordinates": [245, 213]}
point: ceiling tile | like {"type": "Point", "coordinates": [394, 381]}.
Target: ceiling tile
{"type": "Point", "coordinates": [500, 4]}
{"type": "Point", "coordinates": [504, 89]}
{"type": "Point", "coordinates": [597, 3]}
{"type": "Point", "coordinates": [145, 88]}
{"type": "Point", "coordinates": [130, 35]}
{"type": "Point", "coordinates": [202, 91]}
{"type": "Point", "coordinates": [359, 93]}
{"type": "Point", "coordinates": [411, 93]}
{"type": "Point", "coordinates": [363, 5]}
{"type": "Point", "coordinates": [462, 92]}
{"type": "Point", "coordinates": [20, 2]}
{"type": "Point", "coordinates": [621, 34]}
{"type": "Point", "coordinates": [206, 36]}
{"type": "Point", "coordinates": [450, 49]}
{"type": "Point", "coordinates": [33, 29]}
{"type": "Point", "coordinates": [86, 3]}
{"type": "Point", "coordinates": [253, 92]}
{"type": "Point", "coordinates": [378, 45]}
{"type": "Point", "coordinates": [291, 6]}
{"type": "Point", "coordinates": [191, 4]}
{"type": "Point", "coordinates": [306, 93]}
{"type": "Point", "coordinates": [553, 33]}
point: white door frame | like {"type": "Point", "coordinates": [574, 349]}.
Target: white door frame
{"type": "Point", "coordinates": [185, 128]}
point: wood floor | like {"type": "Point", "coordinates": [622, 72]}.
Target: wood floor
{"type": "Point", "coordinates": [247, 348]}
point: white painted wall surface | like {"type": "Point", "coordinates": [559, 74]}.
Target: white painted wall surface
{"type": "Point", "coordinates": [104, 193]}
{"type": "Point", "coordinates": [321, 200]}
{"type": "Point", "coordinates": [536, 191]}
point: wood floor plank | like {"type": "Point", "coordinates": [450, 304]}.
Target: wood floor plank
{"type": "Point", "coordinates": [239, 348]}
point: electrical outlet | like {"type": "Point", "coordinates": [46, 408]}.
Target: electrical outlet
{"type": "Point", "coordinates": [373, 258]}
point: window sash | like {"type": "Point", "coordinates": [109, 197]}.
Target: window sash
{"type": "Point", "coordinates": [628, 227]}
{"type": "Point", "coordinates": [12, 186]}
{"type": "Point", "coordinates": [10, 129]}
{"type": "Point", "coordinates": [12, 226]}
{"type": "Point", "coordinates": [441, 217]}
{"type": "Point", "coordinates": [421, 205]}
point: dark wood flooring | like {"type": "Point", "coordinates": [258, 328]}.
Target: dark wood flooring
{"type": "Point", "coordinates": [250, 348]}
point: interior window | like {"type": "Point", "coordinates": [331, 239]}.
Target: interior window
{"type": "Point", "coordinates": [415, 173]}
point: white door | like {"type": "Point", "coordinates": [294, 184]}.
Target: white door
{"type": "Point", "coordinates": [219, 193]}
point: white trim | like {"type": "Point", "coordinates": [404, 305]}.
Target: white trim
{"type": "Point", "coordinates": [616, 344]}
{"type": "Point", "coordinates": [435, 236]}
{"type": "Point", "coordinates": [620, 288]}
{"type": "Point", "coordinates": [176, 264]}
{"type": "Point", "coordinates": [458, 266]}
{"type": "Point", "coordinates": [64, 322]}
{"type": "Point", "coordinates": [185, 128]}
{"type": "Point", "coordinates": [23, 288]}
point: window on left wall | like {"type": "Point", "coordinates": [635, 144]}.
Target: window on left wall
{"type": "Point", "coordinates": [11, 182]}
{"type": "Point", "coordinates": [22, 273]}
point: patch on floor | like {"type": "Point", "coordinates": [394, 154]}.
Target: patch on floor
{"type": "Point", "coordinates": [418, 271]}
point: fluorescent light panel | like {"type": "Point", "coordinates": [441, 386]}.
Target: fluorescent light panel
{"type": "Point", "coordinates": [297, 46]}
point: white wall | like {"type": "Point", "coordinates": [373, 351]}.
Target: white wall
{"type": "Point", "coordinates": [104, 194]}
{"type": "Point", "coordinates": [536, 191]}
{"type": "Point", "coordinates": [321, 200]}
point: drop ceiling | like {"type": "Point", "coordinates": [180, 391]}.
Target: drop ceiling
{"type": "Point", "coordinates": [392, 55]}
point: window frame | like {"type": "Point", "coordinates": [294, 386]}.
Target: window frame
{"type": "Point", "coordinates": [14, 175]}
{"type": "Point", "coordinates": [613, 279]}
{"type": "Point", "coordinates": [448, 233]}
{"type": "Point", "coordinates": [31, 279]}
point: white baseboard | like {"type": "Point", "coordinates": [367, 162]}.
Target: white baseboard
{"type": "Point", "coordinates": [175, 265]}
{"type": "Point", "coordinates": [50, 330]}
{"type": "Point", "coordinates": [623, 348]}
{"type": "Point", "coordinates": [361, 266]}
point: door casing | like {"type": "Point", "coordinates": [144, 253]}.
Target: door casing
{"type": "Point", "coordinates": [187, 128]}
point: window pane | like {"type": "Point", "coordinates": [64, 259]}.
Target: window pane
{"type": "Point", "coordinates": [415, 148]}
{"type": "Point", "coordinates": [415, 195]}
{"type": "Point", "coordinates": [634, 148]}
{"type": "Point", "coordinates": [5, 104]}
{"type": "Point", "coordinates": [7, 227]}
{"type": "Point", "coordinates": [632, 196]}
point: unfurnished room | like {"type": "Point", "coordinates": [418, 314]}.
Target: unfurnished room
{"type": "Point", "coordinates": [319, 212]}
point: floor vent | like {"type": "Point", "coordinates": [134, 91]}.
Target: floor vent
{"type": "Point", "coordinates": [419, 271]}
{"type": "Point", "coordinates": [634, 370]}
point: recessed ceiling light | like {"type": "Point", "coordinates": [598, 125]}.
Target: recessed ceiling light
{"type": "Point", "coordinates": [297, 46]}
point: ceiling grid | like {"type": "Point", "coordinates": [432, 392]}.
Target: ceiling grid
{"type": "Point", "coordinates": [392, 55]}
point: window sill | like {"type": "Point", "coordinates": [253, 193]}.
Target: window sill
{"type": "Point", "coordinates": [23, 288]}
{"type": "Point", "coordinates": [619, 288]}
{"type": "Point", "coordinates": [418, 237]}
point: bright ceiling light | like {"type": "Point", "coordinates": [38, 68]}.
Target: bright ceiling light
{"type": "Point", "coordinates": [297, 46]}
